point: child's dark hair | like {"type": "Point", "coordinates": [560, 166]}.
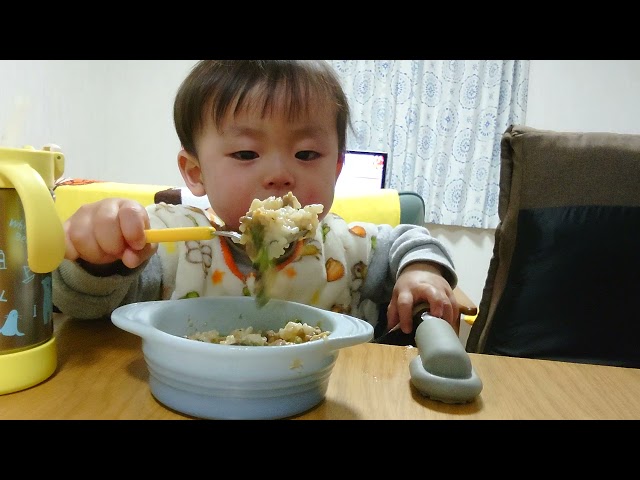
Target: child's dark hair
{"type": "Point", "coordinates": [213, 86]}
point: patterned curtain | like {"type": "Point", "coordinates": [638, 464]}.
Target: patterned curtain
{"type": "Point", "coordinates": [441, 122]}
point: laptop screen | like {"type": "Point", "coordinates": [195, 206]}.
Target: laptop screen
{"type": "Point", "coordinates": [363, 171]}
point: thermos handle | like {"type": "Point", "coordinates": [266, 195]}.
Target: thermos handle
{"type": "Point", "coordinates": [45, 234]}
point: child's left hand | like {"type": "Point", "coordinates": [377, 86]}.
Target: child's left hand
{"type": "Point", "coordinates": [422, 282]}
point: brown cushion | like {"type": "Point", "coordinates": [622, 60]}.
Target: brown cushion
{"type": "Point", "coordinates": [563, 277]}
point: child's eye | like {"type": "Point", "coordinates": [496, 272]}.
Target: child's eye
{"type": "Point", "coordinates": [307, 155]}
{"type": "Point", "coordinates": [245, 155]}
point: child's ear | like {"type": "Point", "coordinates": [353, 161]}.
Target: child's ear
{"type": "Point", "coordinates": [339, 165]}
{"type": "Point", "coordinates": [191, 173]}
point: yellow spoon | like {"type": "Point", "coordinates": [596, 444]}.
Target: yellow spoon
{"type": "Point", "coordinates": [183, 234]}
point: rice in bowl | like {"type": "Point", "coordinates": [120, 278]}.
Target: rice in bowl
{"type": "Point", "coordinates": [292, 333]}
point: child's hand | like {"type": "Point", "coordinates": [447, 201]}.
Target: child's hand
{"type": "Point", "coordinates": [422, 282]}
{"type": "Point", "coordinates": [108, 230]}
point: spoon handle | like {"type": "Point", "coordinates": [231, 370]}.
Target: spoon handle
{"type": "Point", "coordinates": [183, 234]}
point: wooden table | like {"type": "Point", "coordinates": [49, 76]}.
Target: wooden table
{"type": "Point", "coordinates": [102, 375]}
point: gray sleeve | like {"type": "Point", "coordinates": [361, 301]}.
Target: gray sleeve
{"type": "Point", "coordinates": [397, 247]}
{"type": "Point", "coordinates": [81, 295]}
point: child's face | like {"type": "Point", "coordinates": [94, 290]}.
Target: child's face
{"type": "Point", "coordinates": [252, 157]}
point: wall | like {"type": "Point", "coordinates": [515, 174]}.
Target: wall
{"type": "Point", "coordinates": [113, 120]}
{"type": "Point", "coordinates": [584, 95]}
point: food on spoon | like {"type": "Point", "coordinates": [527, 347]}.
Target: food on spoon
{"type": "Point", "coordinates": [271, 225]}
{"type": "Point", "coordinates": [293, 333]}
{"type": "Point", "coordinates": [269, 228]}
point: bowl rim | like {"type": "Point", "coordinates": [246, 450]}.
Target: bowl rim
{"type": "Point", "coordinates": [141, 318]}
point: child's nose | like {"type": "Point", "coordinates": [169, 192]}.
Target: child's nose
{"type": "Point", "coordinates": [278, 175]}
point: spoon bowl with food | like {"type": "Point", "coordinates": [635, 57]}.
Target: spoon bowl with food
{"type": "Point", "coordinates": [269, 229]}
